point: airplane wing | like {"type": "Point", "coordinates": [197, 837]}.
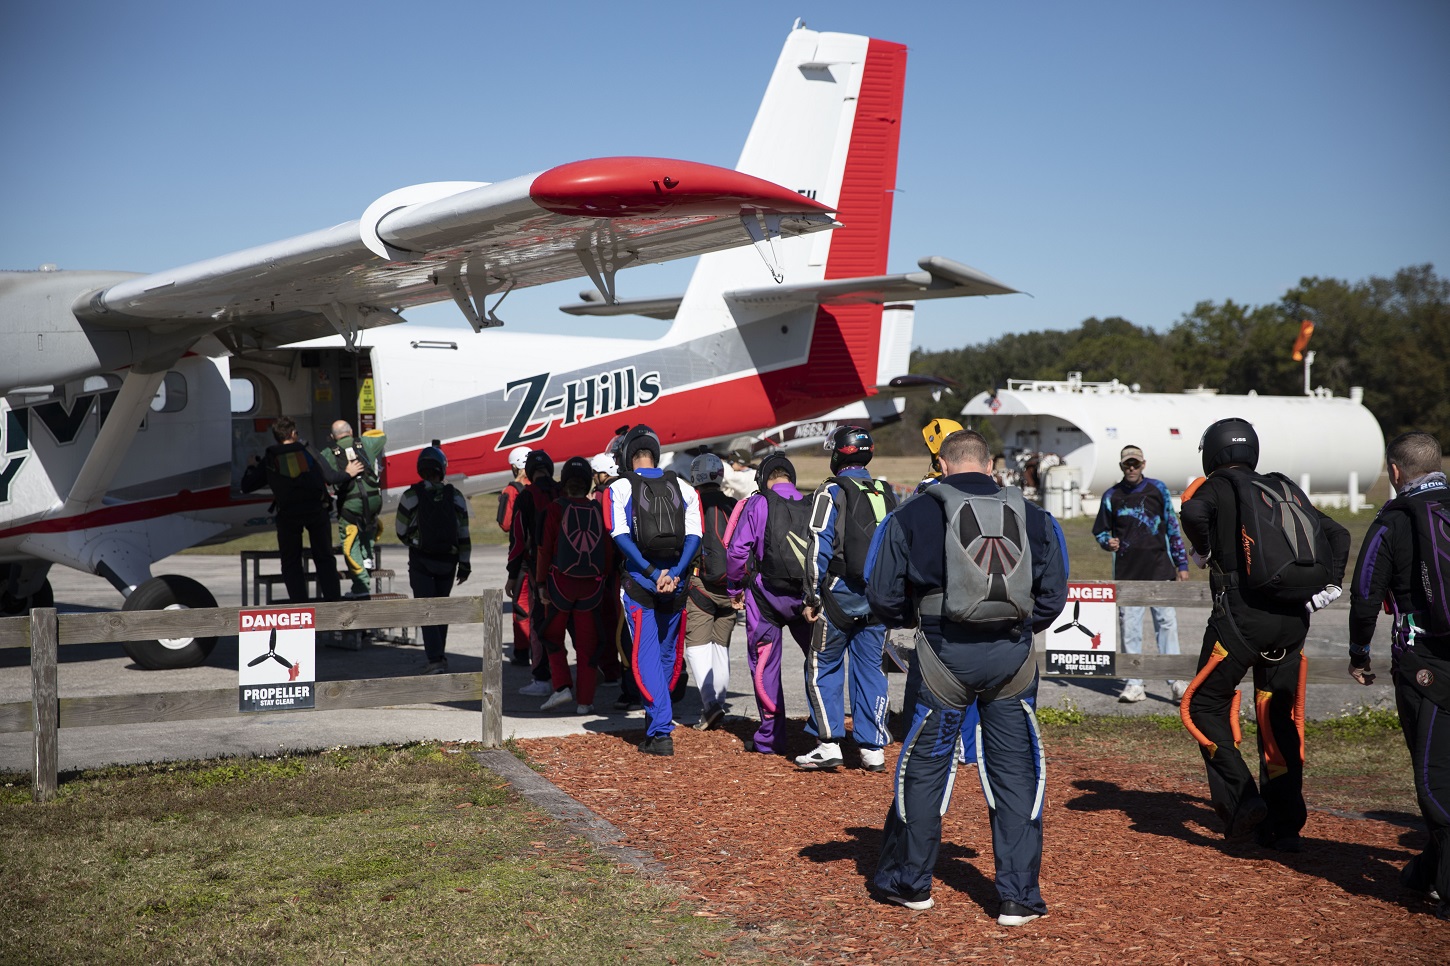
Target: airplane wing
{"type": "Point", "coordinates": [939, 278]}
{"type": "Point", "coordinates": [591, 303]}
{"type": "Point", "coordinates": [465, 241]}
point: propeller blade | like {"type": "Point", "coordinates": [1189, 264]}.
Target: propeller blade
{"type": "Point", "coordinates": [257, 660]}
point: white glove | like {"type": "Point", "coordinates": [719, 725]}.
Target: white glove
{"type": "Point", "coordinates": [1322, 599]}
{"type": "Point", "coordinates": [1200, 559]}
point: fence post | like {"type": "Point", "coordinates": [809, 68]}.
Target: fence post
{"type": "Point", "coordinates": [44, 703]}
{"type": "Point", "coordinates": [492, 668]}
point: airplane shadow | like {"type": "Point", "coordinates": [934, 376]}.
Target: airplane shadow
{"type": "Point", "coordinates": [1358, 868]}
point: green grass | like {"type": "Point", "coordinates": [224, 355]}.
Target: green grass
{"type": "Point", "coordinates": [378, 855]}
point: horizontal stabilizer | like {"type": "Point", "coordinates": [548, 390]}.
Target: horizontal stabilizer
{"type": "Point", "coordinates": [913, 384]}
{"type": "Point", "coordinates": [594, 304]}
{"type": "Point", "coordinates": [939, 278]}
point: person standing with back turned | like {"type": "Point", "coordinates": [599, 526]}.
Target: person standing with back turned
{"type": "Point", "coordinates": [655, 521]}
{"type": "Point", "coordinates": [1137, 525]}
{"type": "Point", "coordinates": [1273, 560]}
{"type": "Point", "coordinates": [432, 522]}
{"type": "Point", "coordinates": [359, 501]}
{"type": "Point", "coordinates": [845, 512]}
{"type": "Point", "coordinates": [981, 570]}
{"type": "Point", "coordinates": [1404, 564]}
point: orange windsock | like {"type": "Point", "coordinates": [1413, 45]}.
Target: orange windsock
{"type": "Point", "coordinates": [1306, 329]}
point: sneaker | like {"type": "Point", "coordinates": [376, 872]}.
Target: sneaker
{"type": "Point", "coordinates": [558, 699]}
{"type": "Point", "coordinates": [1252, 812]}
{"type": "Point", "coordinates": [1132, 694]}
{"type": "Point", "coordinates": [537, 688]}
{"type": "Point", "coordinates": [826, 756]}
{"type": "Point", "coordinates": [917, 905]}
{"type": "Point", "coordinates": [1016, 914]}
{"type": "Point", "coordinates": [1279, 843]}
{"type": "Point", "coordinates": [584, 709]}
{"type": "Point", "coordinates": [872, 759]}
{"type": "Point", "coordinates": [661, 745]}
{"type": "Point", "coordinates": [710, 718]}
{"type": "Point", "coordinates": [436, 667]}
{"type": "Point", "coordinates": [1180, 688]}
{"type": "Point", "coordinates": [623, 703]}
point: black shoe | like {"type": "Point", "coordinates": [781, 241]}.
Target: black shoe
{"type": "Point", "coordinates": [661, 745]}
{"type": "Point", "coordinates": [1016, 914]}
{"type": "Point", "coordinates": [1251, 813]}
{"type": "Point", "coordinates": [623, 703]}
{"type": "Point", "coordinates": [519, 658]}
{"type": "Point", "coordinates": [710, 718]}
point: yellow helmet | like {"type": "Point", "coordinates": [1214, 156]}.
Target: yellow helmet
{"type": "Point", "coordinates": [936, 431]}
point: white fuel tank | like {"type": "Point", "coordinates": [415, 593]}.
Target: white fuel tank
{"type": "Point", "coordinates": [1334, 441]}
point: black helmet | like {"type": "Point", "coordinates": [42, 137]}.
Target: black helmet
{"type": "Point", "coordinates": [431, 458]}
{"type": "Point", "coordinates": [849, 446]}
{"type": "Point", "coordinates": [1227, 441]}
{"type": "Point", "coordinates": [773, 462]}
{"type": "Point", "coordinates": [639, 438]}
{"type": "Point", "coordinates": [538, 462]}
{"type": "Point", "coordinates": [576, 468]}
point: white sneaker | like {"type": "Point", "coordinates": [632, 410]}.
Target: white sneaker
{"type": "Point", "coordinates": [1180, 688]}
{"type": "Point", "coordinates": [916, 904]}
{"type": "Point", "coordinates": [537, 688]}
{"type": "Point", "coordinates": [825, 756]}
{"type": "Point", "coordinates": [1133, 693]}
{"type": "Point", "coordinates": [1016, 914]}
{"type": "Point", "coordinates": [558, 699]}
{"type": "Point", "coordinates": [872, 759]}
{"type": "Point", "coordinates": [584, 709]}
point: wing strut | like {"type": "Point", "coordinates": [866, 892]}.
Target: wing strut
{"type": "Point", "coordinates": [469, 294]}
{"type": "Point", "coordinates": [348, 319]}
{"type": "Point", "coordinates": [763, 229]}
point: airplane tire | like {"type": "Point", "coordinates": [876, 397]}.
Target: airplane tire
{"type": "Point", "coordinates": [169, 592]}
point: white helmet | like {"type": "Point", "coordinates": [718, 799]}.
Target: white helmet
{"type": "Point", "coordinates": [706, 468]}
{"type": "Point", "coordinates": [604, 463]}
{"type": "Point", "coordinates": [517, 455]}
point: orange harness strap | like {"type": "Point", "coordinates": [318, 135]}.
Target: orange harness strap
{"type": "Point", "coordinates": [1214, 659]}
{"type": "Point", "coordinates": [1299, 702]}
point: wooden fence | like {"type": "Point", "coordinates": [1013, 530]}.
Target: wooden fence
{"type": "Point", "coordinates": [1195, 593]}
{"type": "Point", "coordinates": [44, 631]}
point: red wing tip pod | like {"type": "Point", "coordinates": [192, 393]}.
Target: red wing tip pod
{"type": "Point", "coordinates": [642, 187]}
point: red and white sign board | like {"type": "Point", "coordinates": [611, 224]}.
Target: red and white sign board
{"type": "Point", "coordinates": [277, 659]}
{"type": "Point", "coordinates": [1084, 638]}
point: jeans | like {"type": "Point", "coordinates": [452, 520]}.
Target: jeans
{"type": "Point", "coordinates": [1165, 629]}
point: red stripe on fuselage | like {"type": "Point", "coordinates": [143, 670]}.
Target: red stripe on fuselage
{"type": "Point", "coordinates": [187, 501]}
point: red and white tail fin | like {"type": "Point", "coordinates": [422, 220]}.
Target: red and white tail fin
{"type": "Point", "coordinates": [829, 127]}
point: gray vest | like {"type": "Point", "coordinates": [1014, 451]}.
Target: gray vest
{"type": "Point", "coordinates": [988, 558]}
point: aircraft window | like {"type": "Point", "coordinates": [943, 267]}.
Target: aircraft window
{"type": "Point", "coordinates": [100, 383]}
{"type": "Point", "coordinates": [244, 396]}
{"type": "Point", "coordinates": [170, 395]}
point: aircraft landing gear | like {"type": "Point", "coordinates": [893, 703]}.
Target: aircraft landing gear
{"type": "Point", "coordinates": [170, 592]}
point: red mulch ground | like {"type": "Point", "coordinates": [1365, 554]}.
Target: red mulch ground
{"type": "Point", "coordinates": [1134, 868]}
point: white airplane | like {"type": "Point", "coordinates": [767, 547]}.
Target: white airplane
{"type": "Point", "coordinates": [132, 403]}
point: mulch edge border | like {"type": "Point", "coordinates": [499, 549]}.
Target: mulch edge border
{"type": "Point", "coordinates": [565, 808]}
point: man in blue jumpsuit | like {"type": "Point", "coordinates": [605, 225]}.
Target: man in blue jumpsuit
{"type": "Point", "coordinates": [845, 514]}
{"type": "Point", "coordinates": [961, 664]}
{"type": "Point", "coordinates": [654, 518]}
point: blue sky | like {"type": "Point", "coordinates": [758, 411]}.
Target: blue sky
{"type": "Point", "coordinates": [1110, 158]}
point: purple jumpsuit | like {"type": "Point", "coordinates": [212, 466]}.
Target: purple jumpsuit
{"type": "Point", "coordinates": [764, 636]}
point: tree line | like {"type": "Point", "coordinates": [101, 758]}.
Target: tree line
{"type": "Point", "coordinates": [1389, 335]}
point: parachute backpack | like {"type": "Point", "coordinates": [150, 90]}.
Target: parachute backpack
{"type": "Point", "coordinates": [581, 550]}
{"type": "Point", "coordinates": [1430, 526]}
{"type": "Point", "coordinates": [659, 514]}
{"type": "Point", "coordinates": [715, 509]}
{"type": "Point", "coordinates": [866, 504]}
{"type": "Point", "coordinates": [437, 521]}
{"type": "Point", "coordinates": [988, 558]}
{"type": "Point", "coordinates": [1283, 550]}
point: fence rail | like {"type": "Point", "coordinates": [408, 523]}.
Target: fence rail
{"type": "Point", "coordinates": [44, 631]}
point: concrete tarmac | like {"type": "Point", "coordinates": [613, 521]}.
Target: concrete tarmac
{"type": "Point", "coordinates": [105, 669]}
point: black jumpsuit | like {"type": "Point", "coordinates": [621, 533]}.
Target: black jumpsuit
{"type": "Point", "coordinates": [1246, 632]}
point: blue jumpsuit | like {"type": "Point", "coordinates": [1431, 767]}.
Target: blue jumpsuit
{"type": "Point", "coordinates": [908, 564]}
